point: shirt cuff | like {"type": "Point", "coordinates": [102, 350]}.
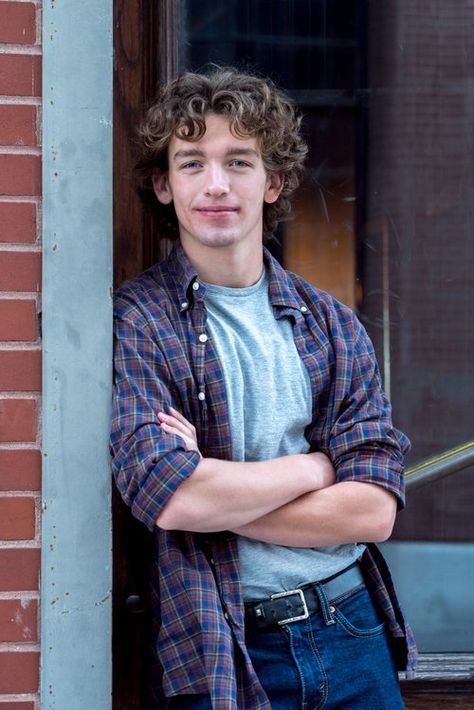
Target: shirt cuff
{"type": "Point", "coordinates": [170, 471]}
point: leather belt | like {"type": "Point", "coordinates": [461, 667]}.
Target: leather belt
{"type": "Point", "coordinates": [298, 604]}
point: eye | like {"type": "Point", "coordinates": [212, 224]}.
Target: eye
{"type": "Point", "coordinates": [237, 163]}
{"type": "Point", "coordinates": [191, 165]}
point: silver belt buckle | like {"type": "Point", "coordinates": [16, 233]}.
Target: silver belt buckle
{"type": "Point", "coordinates": [305, 613]}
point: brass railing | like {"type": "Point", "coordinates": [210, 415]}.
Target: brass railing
{"type": "Point", "coordinates": [437, 467]}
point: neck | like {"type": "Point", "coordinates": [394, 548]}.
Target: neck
{"type": "Point", "coordinates": [226, 267]}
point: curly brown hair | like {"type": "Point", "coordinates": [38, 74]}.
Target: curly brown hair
{"type": "Point", "coordinates": [255, 107]}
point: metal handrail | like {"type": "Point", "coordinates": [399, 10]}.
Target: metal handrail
{"type": "Point", "coordinates": [437, 467]}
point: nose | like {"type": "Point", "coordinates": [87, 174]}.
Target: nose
{"type": "Point", "coordinates": [217, 181]}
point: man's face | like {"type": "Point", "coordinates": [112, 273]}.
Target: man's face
{"type": "Point", "coordinates": [218, 186]}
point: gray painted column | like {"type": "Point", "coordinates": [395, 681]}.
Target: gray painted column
{"type": "Point", "coordinates": [77, 341]}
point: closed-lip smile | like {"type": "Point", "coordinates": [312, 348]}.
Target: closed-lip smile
{"type": "Point", "coordinates": [216, 208]}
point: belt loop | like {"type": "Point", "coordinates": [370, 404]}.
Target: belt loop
{"type": "Point", "coordinates": [323, 600]}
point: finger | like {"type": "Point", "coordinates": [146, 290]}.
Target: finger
{"type": "Point", "coordinates": [173, 421]}
{"type": "Point", "coordinates": [180, 417]}
{"type": "Point", "coordinates": [190, 444]}
{"type": "Point", "coordinates": [177, 432]}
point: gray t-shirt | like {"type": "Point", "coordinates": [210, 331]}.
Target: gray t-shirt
{"type": "Point", "coordinates": [270, 405]}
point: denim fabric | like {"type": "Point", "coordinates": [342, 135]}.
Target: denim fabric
{"type": "Point", "coordinates": [337, 659]}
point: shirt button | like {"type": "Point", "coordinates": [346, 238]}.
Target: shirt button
{"type": "Point", "coordinates": [196, 286]}
{"type": "Point", "coordinates": [226, 616]}
{"type": "Point", "coordinates": [203, 338]}
{"type": "Point", "coordinates": [303, 309]}
{"type": "Point", "coordinates": [184, 305]}
{"type": "Point", "coordinates": [201, 396]}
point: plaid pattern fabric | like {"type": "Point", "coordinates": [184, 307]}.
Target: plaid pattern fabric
{"type": "Point", "coordinates": [160, 361]}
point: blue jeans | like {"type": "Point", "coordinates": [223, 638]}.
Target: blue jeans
{"type": "Point", "coordinates": [337, 658]}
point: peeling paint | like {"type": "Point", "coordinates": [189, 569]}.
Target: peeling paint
{"type": "Point", "coordinates": [27, 634]}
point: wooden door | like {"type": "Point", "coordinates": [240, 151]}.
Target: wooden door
{"type": "Point", "coordinates": [136, 247]}
{"type": "Point", "coordinates": [147, 50]}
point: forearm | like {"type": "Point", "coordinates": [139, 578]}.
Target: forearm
{"type": "Point", "coordinates": [346, 512]}
{"type": "Point", "coordinates": [221, 495]}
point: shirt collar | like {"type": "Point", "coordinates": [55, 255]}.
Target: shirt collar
{"type": "Point", "coordinates": [185, 276]}
{"type": "Point", "coordinates": [281, 288]}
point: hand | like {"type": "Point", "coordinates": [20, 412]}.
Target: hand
{"type": "Point", "coordinates": [175, 423]}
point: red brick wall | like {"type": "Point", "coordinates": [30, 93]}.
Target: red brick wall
{"type": "Point", "coordinates": [20, 351]}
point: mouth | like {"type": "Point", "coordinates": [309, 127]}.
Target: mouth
{"type": "Point", "coordinates": [221, 215]}
{"type": "Point", "coordinates": [217, 209]}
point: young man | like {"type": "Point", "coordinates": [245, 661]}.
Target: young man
{"type": "Point", "coordinates": [250, 431]}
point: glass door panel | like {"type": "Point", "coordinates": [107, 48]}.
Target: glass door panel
{"type": "Point", "coordinates": [384, 221]}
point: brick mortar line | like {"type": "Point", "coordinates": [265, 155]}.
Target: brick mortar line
{"type": "Point", "coordinates": [36, 246]}
{"type": "Point", "coordinates": [27, 647]}
{"type": "Point", "coordinates": [20, 545]}
{"type": "Point", "coordinates": [17, 394]}
{"type": "Point", "coordinates": [39, 25]}
{"type": "Point", "coordinates": [20, 150]}
{"type": "Point", "coordinates": [20, 100]}
{"type": "Point", "coordinates": [18, 295]}
{"type": "Point", "coordinates": [21, 199]}
{"type": "Point", "coordinates": [24, 346]}
{"type": "Point", "coordinates": [19, 446]}
{"type": "Point", "coordinates": [38, 512]}
{"type": "Point", "coordinates": [31, 50]}
{"type": "Point", "coordinates": [29, 595]}
{"type": "Point", "coordinates": [21, 346]}
{"type": "Point", "coordinates": [32, 248]}
{"type": "Point", "coordinates": [21, 494]}
{"type": "Point", "coordinates": [39, 221]}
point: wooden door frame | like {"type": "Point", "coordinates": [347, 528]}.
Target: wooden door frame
{"type": "Point", "coordinates": [145, 55]}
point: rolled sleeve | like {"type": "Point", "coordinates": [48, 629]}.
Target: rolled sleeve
{"type": "Point", "coordinates": [148, 464]}
{"type": "Point", "coordinates": [364, 445]}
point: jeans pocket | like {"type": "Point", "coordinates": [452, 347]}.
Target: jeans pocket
{"type": "Point", "coordinates": [357, 615]}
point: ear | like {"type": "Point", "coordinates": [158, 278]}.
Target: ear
{"type": "Point", "coordinates": [274, 186]}
{"type": "Point", "coordinates": [161, 186]}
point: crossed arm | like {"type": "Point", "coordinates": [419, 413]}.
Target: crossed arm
{"type": "Point", "coordinates": [291, 500]}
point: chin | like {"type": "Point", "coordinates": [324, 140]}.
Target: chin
{"type": "Point", "coordinates": [219, 240]}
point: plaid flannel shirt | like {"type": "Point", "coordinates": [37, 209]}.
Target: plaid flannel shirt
{"type": "Point", "coordinates": [160, 362]}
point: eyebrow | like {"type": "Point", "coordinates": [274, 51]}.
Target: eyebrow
{"type": "Point", "coordinates": [196, 153]}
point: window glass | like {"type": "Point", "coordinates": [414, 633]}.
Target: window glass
{"type": "Point", "coordinates": [384, 221]}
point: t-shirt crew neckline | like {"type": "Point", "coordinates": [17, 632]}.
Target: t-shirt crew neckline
{"type": "Point", "coordinates": [236, 291]}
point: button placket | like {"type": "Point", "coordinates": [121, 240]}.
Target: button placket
{"type": "Point", "coordinates": [199, 352]}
